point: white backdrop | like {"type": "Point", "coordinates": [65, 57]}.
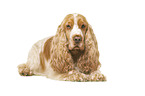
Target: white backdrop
{"type": "Point", "coordinates": [119, 26]}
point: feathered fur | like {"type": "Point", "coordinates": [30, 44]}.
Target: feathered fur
{"type": "Point", "coordinates": [61, 59]}
{"type": "Point", "coordinates": [57, 58]}
{"type": "Point", "coordinates": [89, 61]}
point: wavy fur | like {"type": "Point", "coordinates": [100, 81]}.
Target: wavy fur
{"type": "Point", "coordinates": [57, 58]}
{"type": "Point", "coordinates": [89, 61]}
{"type": "Point", "coordinates": [61, 59]}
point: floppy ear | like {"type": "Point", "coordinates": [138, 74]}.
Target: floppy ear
{"type": "Point", "coordinates": [61, 60]}
{"type": "Point", "coordinates": [89, 62]}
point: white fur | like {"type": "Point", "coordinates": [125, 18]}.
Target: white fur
{"type": "Point", "coordinates": [33, 60]}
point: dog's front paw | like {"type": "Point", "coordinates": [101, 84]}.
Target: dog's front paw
{"type": "Point", "coordinates": [74, 76]}
{"type": "Point", "coordinates": [96, 76]}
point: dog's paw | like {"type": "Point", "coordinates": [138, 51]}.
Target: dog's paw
{"type": "Point", "coordinates": [24, 70]}
{"type": "Point", "coordinates": [74, 76]}
{"type": "Point", "coordinates": [96, 77]}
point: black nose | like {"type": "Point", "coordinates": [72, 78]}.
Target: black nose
{"type": "Point", "coordinates": [77, 39]}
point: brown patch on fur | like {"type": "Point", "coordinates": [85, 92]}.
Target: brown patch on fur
{"type": "Point", "coordinates": [82, 23]}
{"type": "Point", "coordinates": [47, 47]}
{"type": "Point", "coordinates": [42, 61]}
{"type": "Point", "coordinates": [68, 21]}
{"type": "Point", "coordinates": [46, 53]}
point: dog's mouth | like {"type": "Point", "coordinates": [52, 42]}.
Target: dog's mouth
{"type": "Point", "coordinates": [76, 48]}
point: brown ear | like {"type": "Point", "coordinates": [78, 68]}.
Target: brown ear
{"type": "Point", "coordinates": [61, 60]}
{"type": "Point", "coordinates": [91, 38]}
{"type": "Point", "coordinates": [89, 62]}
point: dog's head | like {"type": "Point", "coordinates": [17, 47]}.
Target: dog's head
{"type": "Point", "coordinates": [75, 27]}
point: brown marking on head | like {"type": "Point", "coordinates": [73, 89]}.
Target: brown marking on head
{"type": "Point", "coordinates": [82, 23]}
{"type": "Point", "coordinates": [68, 24]}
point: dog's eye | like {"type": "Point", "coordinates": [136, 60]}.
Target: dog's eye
{"type": "Point", "coordinates": [68, 26]}
{"type": "Point", "coordinates": [83, 26]}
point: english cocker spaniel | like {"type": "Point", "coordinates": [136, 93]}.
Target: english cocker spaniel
{"type": "Point", "coordinates": [71, 55]}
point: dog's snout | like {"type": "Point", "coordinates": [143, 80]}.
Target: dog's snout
{"type": "Point", "coordinates": [77, 39]}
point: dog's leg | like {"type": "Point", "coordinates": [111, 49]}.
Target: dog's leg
{"type": "Point", "coordinates": [24, 70]}
{"type": "Point", "coordinates": [74, 76]}
{"type": "Point", "coordinates": [96, 76]}
{"type": "Point", "coordinates": [81, 77]}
